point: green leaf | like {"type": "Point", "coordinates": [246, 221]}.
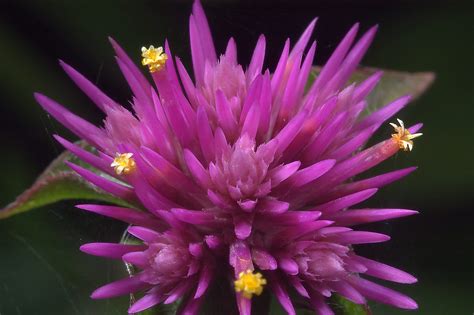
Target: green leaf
{"type": "Point", "coordinates": [58, 182]}
{"type": "Point", "coordinates": [392, 85]}
{"type": "Point", "coordinates": [342, 306]}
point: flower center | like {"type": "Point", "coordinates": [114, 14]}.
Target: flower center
{"type": "Point", "coordinates": [403, 137]}
{"type": "Point", "coordinates": [154, 58]}
{"type": "Point", "coordinates": [123, 163]}
{"type": "Point", "coordinates": [250, 283]}
{"type": "Point", "coordinates": [242, 170]}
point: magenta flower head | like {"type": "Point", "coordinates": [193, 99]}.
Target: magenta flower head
{"type": "Point", "coordinates": [242, 175]}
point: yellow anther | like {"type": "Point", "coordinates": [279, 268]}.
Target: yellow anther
{"type": "Point", "coordinates": [250, 283]}
{"type": "Point", "coordinates": [403, 137]}
{"type": "Point", "coordinates": [123, 163]}
{"type": "Point", "coordinates": [154, 58]}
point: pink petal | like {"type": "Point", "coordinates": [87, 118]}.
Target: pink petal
{"type": "Point", "coordinates": [179, 291]}
{"type": "Point", "coordinates": [242, 226]}
{"type": "Point", "coordinates": [149, 300]}
{"type": "Point", "coordinates": [282, 172]}
{"type": "Point", "coordinates": [364, 88]}
{"type": "Point", "coordinates": [310, 173]}
{"type": "Point", "coordinates": [205, 278]}
{"type": "Point", "coordinates": [274, 206]}
{"type": "Point", "coordinates": [114, 188]}
{"type": "Point", "coordinates": [384, 113]}
{"type": "Point", "coordinates": [204, 32]}
{"type": "Point", "coordinates": [120, 287]}
{"type": "Point", "coordinates": [335, 60]}
{"type": "Point", "coordinates": [96, 95]}
{"type": "Point", "coordinates": [204, 133]}
{"type": "Point", "coordinates": [110, 250]}
{"type": "Point", "coordinates": [256, 63]}
{"type": "Point", "coordinates": [295, 217]}
{"type": "Point", "coordinates": [288, 265]}
{"type": "Point", "coordinates": [373, 182]}
{"type": "Point", "coordinates": [101, 163]}
{"type": "Point", "coordinates": [263, 259]}
{"type": "Point", "coordinates": [240, 257]}
{"type": "Point", "coordinates": [139, 259]}
{"type": "Point", "coordinates": [144, 234]}
{"type": "Point", "coordinates": [291, 233]}
{"type": "Point", "coordinates": [354, 217]}
{"type": "Point", "coordinates": [346, 201]}
{"type": "Point", "coordinates": [280, 68]}
{"type": "Point", "coordinates": [125, 59]}
{"type": "Point", "coordinates": [281, 293]}
{"type": "Point", "coordinates": [383, 271]}
{"type": "Point", "coordinates": [304, 39]}
{"type": "Point", "coordinates": [348, 291]}
{"type": "Point", "coordinates": [131, 216]}
{"type": "Point", "coordinates": [357, 237]}
{"type": "Point", "coordinates": [384, 295]}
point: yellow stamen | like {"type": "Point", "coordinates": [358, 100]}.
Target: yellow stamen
{"type": "Point", "coordinates": [154, 58]}
{"type": "Point", "coordinates": [403, 137]}
{"type": "Point", "coordinates": [123, 163]}
{"type": "Point", "coordinates": [250, 283]}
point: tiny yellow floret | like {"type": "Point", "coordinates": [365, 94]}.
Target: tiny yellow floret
{"type": "Point", "coordinates": [154, 58]}
{"type": "Point", "coordinates": [403, 137]}
{"type": "Point", "coordinates": [123, 163]}
{"type": "Point", "coordinates": [250, 283]}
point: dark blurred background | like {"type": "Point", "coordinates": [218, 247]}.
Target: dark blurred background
{"type": "Point", "coordinates": [41, 269]}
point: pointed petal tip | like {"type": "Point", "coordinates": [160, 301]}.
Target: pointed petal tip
{"type": "Point", "coordinates": [373, 30]}
{"type": "Point", "coordinates": [87, 207]}
{"type": "Point", "coordinates": [98, 294]}
{"type": "Point", "coordinates": [59, 139]}
{"type": "Point", "coordinates": [370, 191]}
{"type": "Point", "coordinates": [408, 304]}
{"type": "Point", "coordinates": [73, 166]}
{"type": "Point", "coordinates": [410, 280]}
{"type": "Point", "coordinates": [115, 45]}
{"type": "Point", "coordinates": [67, 67]}
{"type": "Point", "coordinates": [312, 23]}
{"type": "Point", "coordinates": [405, 98]}
{"type": "Point", "coordinates": [39, 97]}
{"type": "Point", "coordinates": [330, 162]}
{"type": "Point", "coordinates": [197, 5]}
{"type": "Point", "coordinates": [113, 42]}
{"type": "Point", "coordinates": [354, 29]}
{"type": "Point", "coordinates": [415, 128]}
{"type": "Point", "coordinates": [84, 248]}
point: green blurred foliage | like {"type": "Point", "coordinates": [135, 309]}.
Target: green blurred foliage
{"type": "Point", "coordinates": [42, 271]}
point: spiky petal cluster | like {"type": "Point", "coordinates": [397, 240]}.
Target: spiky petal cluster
{"type": "Point", "coordinates": [242, 169]}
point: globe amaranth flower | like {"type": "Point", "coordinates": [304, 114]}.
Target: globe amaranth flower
{"type": "Point", "coordinates": [243, 172]}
